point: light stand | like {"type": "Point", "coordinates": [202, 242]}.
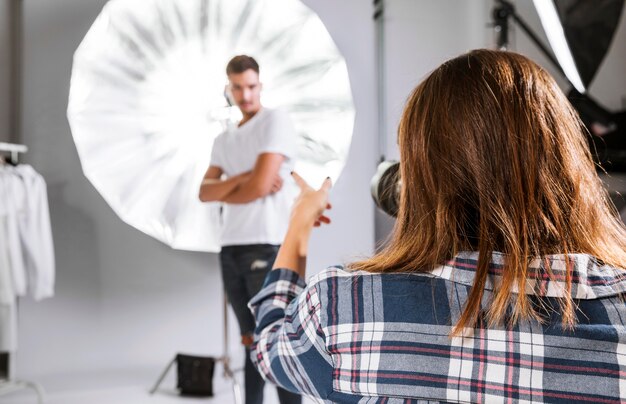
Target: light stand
{"type": "Point", "coordinates": [501, 13]}
{"type": "Point", "coordinates": [228, 373]}
{"type": "Point", "coordinates": [225, 359]}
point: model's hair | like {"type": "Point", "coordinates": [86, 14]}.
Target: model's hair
{"type": "Point", "coordinates": [240, 64]}
{"type": "Point", "coordinates": [494, 158]}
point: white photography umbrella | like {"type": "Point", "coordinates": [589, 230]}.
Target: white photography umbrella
{"type": "Point", "coordinates": [146, 102]}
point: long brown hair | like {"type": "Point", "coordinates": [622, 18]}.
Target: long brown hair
{"type": "Point", "coordinates": [494, 158]}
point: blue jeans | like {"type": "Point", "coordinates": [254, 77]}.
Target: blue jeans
{"type": "Point", "coordinates": [244, 268]}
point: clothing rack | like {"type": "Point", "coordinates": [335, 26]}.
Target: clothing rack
{"type": "Point", "coordinates": [14, 149]}
{"type": "Point", "coordinates": [7, 383]}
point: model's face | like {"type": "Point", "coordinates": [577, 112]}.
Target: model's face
{"type": "Point", "coordinates": [245, 90]}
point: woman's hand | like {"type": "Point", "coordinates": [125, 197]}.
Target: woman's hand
{"type": "Point", "coordinates": [307, 212]}
{"type": "Point", "coordinates": [308, 209]}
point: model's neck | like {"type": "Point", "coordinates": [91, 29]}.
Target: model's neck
{"type": "Point", "coordinates": [248, 116]}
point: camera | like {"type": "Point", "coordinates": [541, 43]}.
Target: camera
{"type": "Point", "coordinates": [385, 187]}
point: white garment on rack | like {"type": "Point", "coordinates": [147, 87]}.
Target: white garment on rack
{"type": "Point", "coordinates": [7, 292]}
{"type": "Point", "coordinates": [12, 207]}
{"type": "Point", "coordinates": [8, 314]}
{"type": "Point", "coordinates": [36, 235]}
{"type": "Point", "coordinates": [27, 230]}
{"type": "Point", "coordinates": [12, 271]}
{"type": "Point", "coordinates": [26, 250]}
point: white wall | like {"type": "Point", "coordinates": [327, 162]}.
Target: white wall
{"type": "Point", "coordinates": [124, 300]}
{"type": "Point", "coordinates": [351, 234]}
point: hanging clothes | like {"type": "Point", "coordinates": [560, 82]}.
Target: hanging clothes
{"type": "Point", "coordinates": [36, 234]}
{"type": "Point", "coordinates": [8, 309]}
{"type": "Point", "coordinates": [26, 248]}
{"type": "Point", "coordinates": [12, 209]}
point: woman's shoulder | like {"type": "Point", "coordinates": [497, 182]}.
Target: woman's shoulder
{"type": "Point", "coordinates": [344, 275]}
{"type": "Point", "coordinates": [335, 271]}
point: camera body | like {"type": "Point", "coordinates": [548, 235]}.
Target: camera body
{"type": "Point", "coordinates": [385, 187]}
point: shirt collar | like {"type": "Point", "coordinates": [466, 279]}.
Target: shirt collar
{"type": "Point", "coordinates": [590, 278]}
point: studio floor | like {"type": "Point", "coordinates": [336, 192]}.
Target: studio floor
{"type": "Point", "coordinates": [124, 386]}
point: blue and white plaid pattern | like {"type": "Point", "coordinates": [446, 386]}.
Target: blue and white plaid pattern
{"type": "Point", "coordinates": [357, 337]}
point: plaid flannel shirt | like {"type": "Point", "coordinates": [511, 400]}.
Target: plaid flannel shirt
{"type": "Point", "coordinates": [358, 337]}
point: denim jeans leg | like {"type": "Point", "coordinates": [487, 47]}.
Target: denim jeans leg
{"type": "Point", "coordinates": [253, 381]}
{"type": "Point", "coordinates": [258, 261]}
{"type": "Point", "coordinates": [287, 397]}
{"type": "Point", "coordinates": [234, 278]}
{"type": "Point", "coordinates": [244, 269]}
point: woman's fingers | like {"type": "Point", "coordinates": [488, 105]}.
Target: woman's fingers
{"type": "Point", "coordinates": [320, 220]}
{"type": "Point", "coordinates": [300, 181]}
{"type": "Point", "coordinates": [327, 184]}
{"type": "Point", "coordinates": [311, 203]}
{"type": "Point", "coordinates": [323, 219]}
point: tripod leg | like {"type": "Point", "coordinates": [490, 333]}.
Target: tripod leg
{"type": "Point", "coordinates": [237, 392]}
{"type": "Point", "coordinates": [228, 373]}
{"type": "Point", "coordinates": [160, 380]}
{"type": "Point", "coordinates": [225, 354]}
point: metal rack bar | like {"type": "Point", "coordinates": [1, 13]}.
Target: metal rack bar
{"type": "Point", "coordinates": [14, 148]}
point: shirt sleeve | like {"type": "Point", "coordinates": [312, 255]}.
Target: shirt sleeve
{"type": "Point", "coordinates": [279, 135]}
{"type": "Point", "coordinates": [289, 342]}
{"type": "Point", "coordinates": [36, 236]}
{"type": "Point", "coordinates": [43, 248]}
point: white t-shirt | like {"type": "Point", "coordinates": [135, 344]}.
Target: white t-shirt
{"type": "Point", "coordinates": [264, 220]}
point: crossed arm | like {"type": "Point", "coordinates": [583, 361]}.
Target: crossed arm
{"type": "Point", "coordinates": [264, 179]}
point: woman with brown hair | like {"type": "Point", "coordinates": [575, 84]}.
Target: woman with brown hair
{"type": "Point", "coordinates": [503, 278]}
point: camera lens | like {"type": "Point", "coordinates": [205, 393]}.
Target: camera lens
{"type": "Point", "coordinates": [385, 187]}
